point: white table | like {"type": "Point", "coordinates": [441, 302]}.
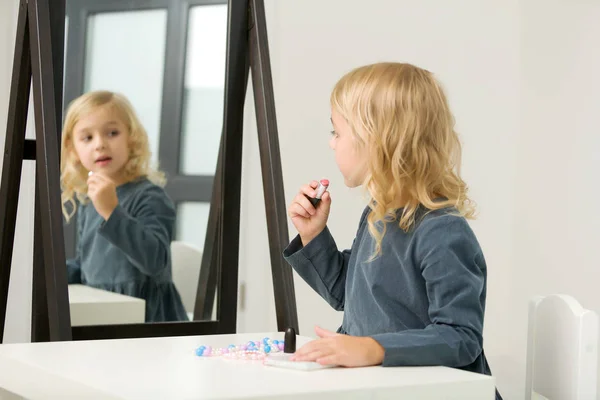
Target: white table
{"type": "Point", "coordinates": [91, 306]}
{"type": "Point", "coordinates": [167, 368]}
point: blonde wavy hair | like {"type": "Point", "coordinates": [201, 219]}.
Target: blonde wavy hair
{"type": "Point", "coordinates": [402, 125]}
{"type": "Point", "coordinates": [73, 175]}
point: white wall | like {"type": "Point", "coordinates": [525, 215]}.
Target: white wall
{"type": "Point", "coordinates": [556, 224]}
{"type": "Point", "coordinates": [18, 316]}
{"type": "Point", "coordinates": [524, 89]}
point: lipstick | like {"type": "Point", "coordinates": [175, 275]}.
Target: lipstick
{"type": "Point", "coordinates": [323, 185]}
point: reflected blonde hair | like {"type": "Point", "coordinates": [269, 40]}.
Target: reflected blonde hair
{"type": "Point", "coordinates": [403, 127]}
{"type": "Point", "coordinates": [73, 175]}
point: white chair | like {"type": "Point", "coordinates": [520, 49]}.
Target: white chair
{"type": "Point", "coordinates": [186, 260]}
{"type": "Point", "coordinates": [562, 350]}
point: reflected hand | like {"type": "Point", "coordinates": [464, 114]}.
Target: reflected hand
{"type": "Point", "coordinates": [103, 193]}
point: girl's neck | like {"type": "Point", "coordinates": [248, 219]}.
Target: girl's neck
{"type": "Point", "coordinates": [121, 179]}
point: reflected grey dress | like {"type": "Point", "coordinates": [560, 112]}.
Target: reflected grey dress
{"type": "Point", "coordinates": [130, 252]}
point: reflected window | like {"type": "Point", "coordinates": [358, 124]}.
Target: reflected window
{"type": "Point", "coordinates": [191, 218]}
{"type": "Point", "coordinates": [203, 90]}
{"type": "Point", "coordinates": [125, 53]}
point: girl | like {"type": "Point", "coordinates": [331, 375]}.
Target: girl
{"type": "Point", "coordinates": [124, 217]}
{"type": "Point", "coordinates": [413, 285]}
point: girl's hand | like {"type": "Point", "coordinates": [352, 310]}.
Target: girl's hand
{"type": "Point", "coordinates": [308, 220]}
{"type": "Point", "coordinates": [103, 193]}
{"type": "Point", "coordinates": [343, 350]}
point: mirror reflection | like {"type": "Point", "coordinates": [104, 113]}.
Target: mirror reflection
{"type": "Point", "coordinates": [142, 124]}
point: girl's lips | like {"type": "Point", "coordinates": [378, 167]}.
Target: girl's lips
{"type": "Point", "coordinates": [103, 161]}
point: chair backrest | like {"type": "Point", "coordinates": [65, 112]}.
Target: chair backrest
{"type": "Point", "coordinates": [562, 350]}
{"type": "Point", "coordinates": [186, 260]}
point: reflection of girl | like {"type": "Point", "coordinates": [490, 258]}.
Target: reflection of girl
{"type": "Point", "coordinates": [124, 234]}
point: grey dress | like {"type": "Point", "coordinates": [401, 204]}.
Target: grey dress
{"type": "Point", "coordinates": [422, 299]}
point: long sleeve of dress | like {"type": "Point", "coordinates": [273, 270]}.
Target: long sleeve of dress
{"type": "Point", "coordinates": [321, 265]}
{"type": "Point", "coordinates": [143, 234]}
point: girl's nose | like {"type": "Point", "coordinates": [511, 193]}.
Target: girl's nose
{"type": "Point", "coordinates": [100, 144]}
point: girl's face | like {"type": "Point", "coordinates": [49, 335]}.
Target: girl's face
{"type": "Point", "coordinates": [347, 156]}
{"type": "Point", "coordinates": [100, 140]}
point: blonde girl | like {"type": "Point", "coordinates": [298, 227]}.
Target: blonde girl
{"type": "Point", "coordinates": [413, 284]}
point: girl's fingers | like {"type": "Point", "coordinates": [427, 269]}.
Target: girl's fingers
{"type": "Point", "coordinates": [94, 180]}
{"type": "Point", "coordinates": [331, 359]}
{"type": "Point", "coordinates": [312, 356]}
{"type": "Point", "coordinates": [305, 203]}
{"type": "Point", "coordinates": [308, 190]}
{"type": "Point", "coordinates": [101, 177]}
{"type": "Point", "coordinates": [301, 205]}
{"type": "Point", "coordinates": [296, 209]}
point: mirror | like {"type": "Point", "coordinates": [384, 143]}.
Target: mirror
{"type": "Point", "coordinates": [168, 59]}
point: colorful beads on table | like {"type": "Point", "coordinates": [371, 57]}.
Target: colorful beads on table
{"type": "Point", "coordinates": [245, 355]}
{"type": "Point", "coordinates": [253, 350]}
